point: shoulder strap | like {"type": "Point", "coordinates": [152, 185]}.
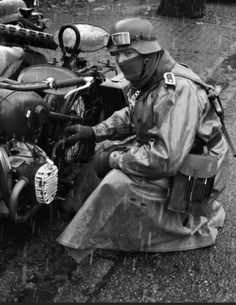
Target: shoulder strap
{"type": "Point", "coordinates": [206, 86]}
{"type": "Point", "coordinates": [215, 101]}
{"type": "Point", "coordinates": [212, 93]}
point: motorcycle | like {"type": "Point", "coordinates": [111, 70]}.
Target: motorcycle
{"type": "Point", "coordinates": [36, 164]}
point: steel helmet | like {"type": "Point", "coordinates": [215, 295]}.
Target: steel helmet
{"type": "Point", "coordinates": [135, 33]}
{"type": "Point", "coordinates": [9, 10]}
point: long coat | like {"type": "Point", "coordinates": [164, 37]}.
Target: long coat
{"type": "Point", "coordinates": [128, 210]}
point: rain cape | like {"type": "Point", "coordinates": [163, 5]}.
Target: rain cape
{"type": "Point", "coordinates": [128, 209]}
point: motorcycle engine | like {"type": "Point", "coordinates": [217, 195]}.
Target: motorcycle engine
{"type": "Point", "coordinates": [22, 160]}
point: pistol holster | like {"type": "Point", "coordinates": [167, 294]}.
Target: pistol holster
{"type": "Point", "coordinates": [192, 185]}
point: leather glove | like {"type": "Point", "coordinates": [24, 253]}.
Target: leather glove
{"type": "Point", "coordinates": [106, 160]}
{"type": "Point", "coordinates": [75, 133]}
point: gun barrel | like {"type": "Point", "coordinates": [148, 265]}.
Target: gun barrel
{"type": "Point", "coordinates": [15, 35]}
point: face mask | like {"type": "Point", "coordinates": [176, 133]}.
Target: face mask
{"type": "Point", "coordinates": [132, 68]}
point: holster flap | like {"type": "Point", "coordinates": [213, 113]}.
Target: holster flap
{"type": "Point", "coordinates": [200, 165]}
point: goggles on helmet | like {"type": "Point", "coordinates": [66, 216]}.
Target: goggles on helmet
{"type": "Point", "coordinates": [123, 38]}
{"type": "Point", "coordinates": [120, 39]}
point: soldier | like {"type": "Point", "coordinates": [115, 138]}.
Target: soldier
{"type": "Point", "coordinates": [161, 159]}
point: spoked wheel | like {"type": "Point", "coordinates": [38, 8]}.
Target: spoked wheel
{"type": "Point", "coordinates": [82, 150]}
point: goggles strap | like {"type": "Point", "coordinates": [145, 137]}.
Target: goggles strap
{"type": "Point", "coordinates": [141, 37]}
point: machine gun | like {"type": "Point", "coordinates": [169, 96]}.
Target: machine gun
{"type": "Point", "coordinates": [13, 35]}
{"type": "Point", "coordinates": [22, 25]}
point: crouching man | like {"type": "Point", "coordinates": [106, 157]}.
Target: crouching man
{"type": "Point", "coordinates": [161, 159]}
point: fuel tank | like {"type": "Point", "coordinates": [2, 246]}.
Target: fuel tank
{"type": "Point", "coordinates": [22, 114]}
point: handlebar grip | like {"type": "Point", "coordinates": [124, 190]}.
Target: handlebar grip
{"type": "Point", "coordinates": [69, 82]}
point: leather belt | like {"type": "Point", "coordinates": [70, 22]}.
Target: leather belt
{"type": "Point", "coordinates": [199, 144]}
{"type": "Point", "coordinates": [215, 140]}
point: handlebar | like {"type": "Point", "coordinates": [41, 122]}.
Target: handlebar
{"type": "Point", "coordinates": [88, 81]}
{"type": "Point", "coordinates": [49, 83]}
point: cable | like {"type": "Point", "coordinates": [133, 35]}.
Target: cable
{"type": "Point", "coordinates": [7, 96]}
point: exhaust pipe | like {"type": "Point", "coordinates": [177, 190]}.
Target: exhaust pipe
{"type": "Point", "coordinates": [13, 202]}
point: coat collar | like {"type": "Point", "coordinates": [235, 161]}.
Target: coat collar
{"type": "Point", "coordinates": [165, 64]}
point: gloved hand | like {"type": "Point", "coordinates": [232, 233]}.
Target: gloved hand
{"type": "Point", "coordinates": [75, 133]}
{"type": "Point", "coordinates": [106, 160]}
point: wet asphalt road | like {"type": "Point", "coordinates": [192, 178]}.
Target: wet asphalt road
{"type": "Point", "coordinates": [33, 268]}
